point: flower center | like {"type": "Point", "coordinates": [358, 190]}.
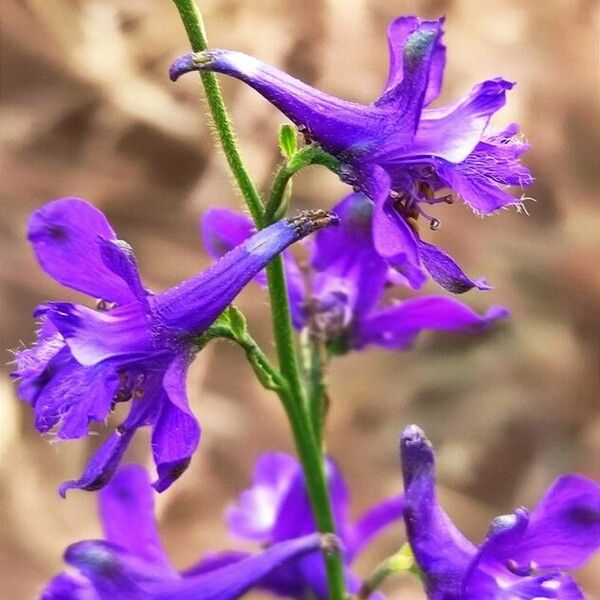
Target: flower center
{"type": "Point", "coordinates": [328, 316]}
{"type": "Point", "coordinates": [408, 204]}
{"type": "Point", "coordinates": [131, 385]}
{"type": "Point", "coordinates": [526, 570]}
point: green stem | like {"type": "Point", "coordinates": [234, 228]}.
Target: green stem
{"type": "Point", "coordinates": [309, 450]}
{"type": "Point", "coordinates": [194, 27]}
{"type": "Point", "coordinates": [309, 155]}
{"type": "Point", "coordinates": [277, 191]}
{"type": "Point", "coordinates": [313, 466]}
{"type": "Point", "coordinates": [316, 367]}
{"type": "Point", "coordinates": [265, 372]}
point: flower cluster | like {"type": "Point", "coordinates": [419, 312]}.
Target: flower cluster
{"type": "Point", "coordinates": [134, 346]}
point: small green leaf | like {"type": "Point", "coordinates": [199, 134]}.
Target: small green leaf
{"type": "Point", "coordinates": [403, 560]}
{"type": "Point", "coordinates": [260, 370]}
{"type": "Point", "coordinates": [237, 322]}
{"type": "Point", "coordinates": [288, 141]}
{"type": "Point", "coordinates": [286, 198]}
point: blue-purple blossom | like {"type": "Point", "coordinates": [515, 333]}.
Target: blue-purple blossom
{"type": "Point", "coordinates": [135, 346]}
{"type": "Point", "coordinates": [340, 299]}
{"type": "Point", "coordinates": [130, 563]}
{"type": "Point", "coordinates": [277, 509]}
{"type": "Point", "coordinates": [524, 555]}
{"type": "Point", "coordinates": [396, 150]}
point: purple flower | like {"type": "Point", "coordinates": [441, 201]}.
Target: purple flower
{"type": "Point", "coordinates": [341, 302]}
{"type": "Point", "coordinates": [277, 509]}
{"type": "Point", "coordinates": [524, 554]}
{"type": "Point", "coordinates": [131, 562]}
{"type": "Point", "coordinates": [136, 346]}
{"type": "Point", "coordinates": [398, 152]}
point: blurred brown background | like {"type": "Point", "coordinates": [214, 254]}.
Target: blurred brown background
{"type": "Point", "coordinates": [88, 111]}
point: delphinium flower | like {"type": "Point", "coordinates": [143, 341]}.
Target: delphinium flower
{"type": "Point", "coordinates": [525, 553]}
{"type": "Point", "coordinates": [136, 345]}
{"type": "Point", "coordinates": [276, 508]}
{"type": "Point", "coordinates": [341, 300]}
{"type": "Point", "coordinates": [400, 153]}
{"type": "Point", "coordinates": [131, 562]}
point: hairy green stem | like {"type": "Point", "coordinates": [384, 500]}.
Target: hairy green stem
{"type": "Point", "coordinates": [315, 368]}
{"type": "Point", "coordinates": [292, 395]}
{"type": "Point", "coordinates": [309, 155]}
{"type": "Point", "coordinates": [194, 27]}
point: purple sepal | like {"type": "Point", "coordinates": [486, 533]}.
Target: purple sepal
{"type": "Point", "coordinates": [446, 272]}
{"type": "Point", "coordinates": [64, 235]}
{"type": "Point", "coordinates": [126, 508]}
{"type": "Point", "coordinates": [115, 573]}
{"type": "Point", "coordinates": [69, 586]}
{"type": "Point", "coordinates": [396, 327]}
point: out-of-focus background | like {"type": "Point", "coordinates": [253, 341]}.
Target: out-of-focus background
{"type": "Point", "coordinates": [88, 110]}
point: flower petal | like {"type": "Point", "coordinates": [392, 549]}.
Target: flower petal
{"type": "Point", "coordinates": [175, 437]}
{"type": "Point", "coordinates": [499, 571]}
{"type": "Point", "coordinates": [64, 235]}
{"type": "Point", "coordinates": [336, 124]}
{"type": "Point", "coordinates": [351, 237]}
{"type": "Point", "coordinates": [176, 434]}
{"type": "Point", "coordinates": [452, 132]}
{"type": "Point", "coordinates": [392, 237]}
{"type": "Point", "coordinates": [196, 303]}
{"type": "Point", "coordinates": [295, 517]}
{"type": "Point", "coordinates": [126, 507]}
{"type": "Point", "coordinates": [346, 261]}
{"type": "Point", "coordinates": [439, 548]}
{"type": "Point", "coordinates": [66, 399]}
{"type": "Point", "coordinates": [69, 586]}
{"type": "Point", "coordinates": [115, 573]}
{"type": "Point", "coordinates": [555, 586]}
{"type": "Point", "coordinates": [94, 336]}
{"type": "Point", "coordinates": [398, 326]}
{"type": "Point", "coordinates": [103, 464]}
{"type": "Point", "coordinates": [254, 514]}
{"type": "Point", "coordinates": [373, 522]}
{"type": "Point", "coordinates": [33, 361]}
{"type": "Point", "coordinates": [398, 32]}
{"type": "Point", "coordinates": [481, 179]}
{"type": "Point", "coordinates": [119, 258]}
{"type": "Point", "coordinates": [564, 528]}
{"type": "Point", "coordinates": [404, 102]}
{"type": "Point", "coordinates": [446, 271]}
